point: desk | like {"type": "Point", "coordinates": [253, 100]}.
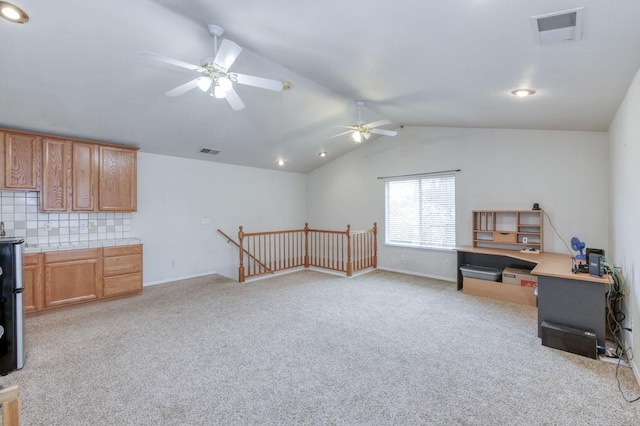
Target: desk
{"type": "Point", "coordinates": [564, 298]}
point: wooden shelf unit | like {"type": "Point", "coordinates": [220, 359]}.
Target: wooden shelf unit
{"type": "Point", "coordinates": [508, 229]}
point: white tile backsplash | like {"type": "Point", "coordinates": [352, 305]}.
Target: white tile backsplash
{"type": "Point", "coordinates": [19, 212]}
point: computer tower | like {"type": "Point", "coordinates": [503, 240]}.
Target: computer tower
{"type": "Point", "coordinates": [580, 342]}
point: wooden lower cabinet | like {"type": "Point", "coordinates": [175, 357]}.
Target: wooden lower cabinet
{"type": "Point", "coordinates": [32, 280]}
{"type": "Point", "coordinates": [68, 277]}
{"type": "Point", "coordinates": [122, 270]}
{"type": "Point", "coordinates": [72, 276]}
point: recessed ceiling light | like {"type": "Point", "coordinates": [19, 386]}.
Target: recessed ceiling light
{"type": "Point", "coordinates": [521, 93]}
{"type": "Point", "coordinates": [323, 154]}
{"type": "Point", "coordinates": [13, 13]}
{"type": "Point", "coordinates": [280, 162]}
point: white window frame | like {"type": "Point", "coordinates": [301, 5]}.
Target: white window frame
{"type": "Point", "coordinates": [443, 224]}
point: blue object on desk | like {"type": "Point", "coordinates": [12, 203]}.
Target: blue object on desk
{"type": "Point", "coordinates": [578, 245]}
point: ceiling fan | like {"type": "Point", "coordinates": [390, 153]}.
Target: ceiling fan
{"type": "Point", "coordinates": [215, 78]}
{"type": "Point", "coordinates": [364, 130]}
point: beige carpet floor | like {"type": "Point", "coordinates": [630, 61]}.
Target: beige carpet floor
{"type": "Point", "coordinates": [312, 349]}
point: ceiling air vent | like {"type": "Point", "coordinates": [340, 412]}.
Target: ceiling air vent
{"type": "Point", "coordinates": [210, 151]}
{"type": "Point", "coordinates": [558, 27]}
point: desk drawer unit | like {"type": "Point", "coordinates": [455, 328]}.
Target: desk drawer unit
{"type": "Point", "coordinates": [122, 270]}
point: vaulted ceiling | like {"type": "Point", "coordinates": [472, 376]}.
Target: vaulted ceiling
{"type": "Point", "coordinates": [75, 69]}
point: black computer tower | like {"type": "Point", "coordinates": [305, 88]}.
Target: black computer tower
{"type": "Point", "coordinates": [580, 342]}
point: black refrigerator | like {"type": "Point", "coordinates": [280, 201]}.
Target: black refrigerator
{"type": "Point", "coordinates": [11, 307]}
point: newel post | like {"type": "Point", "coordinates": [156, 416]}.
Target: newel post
{"type": "Point", "coordinates": [374, 261]}
{"type": "Point", "coordinates": [241, 268]}
{"type": "Point", "coordinates": [306, 245]}
{"type": "Point", "coordinates": [349, 263]}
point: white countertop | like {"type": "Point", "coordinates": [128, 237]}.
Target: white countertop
{"type": "Point", "coordinates": [37, 248]}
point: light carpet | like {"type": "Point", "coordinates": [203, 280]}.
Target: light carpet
{"type": "Point", "coordinates": [308, 348]}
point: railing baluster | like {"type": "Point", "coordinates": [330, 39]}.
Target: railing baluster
{"type": "Point", "coordinates": [280, 250]}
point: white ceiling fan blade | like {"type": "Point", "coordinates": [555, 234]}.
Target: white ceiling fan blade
{"type": "Point", "coordinates": [378, 123]}
{"type": "Point", "coordinates": [234, 100]}
{"type": "Point", "coordinates": [340, 134]}
{"type": "Point", "coordinates": [227, 54]}
{"type": "Point", "coordinates": [367, 135]}
{"type": "Point", "coordinates": [183, 88]}
{"type": "Point", "coordinates": [384, 132]}
{"type": "Point", "coordinates": [263, 83]}
{"type": "Point", "coordinates": [172, 61]}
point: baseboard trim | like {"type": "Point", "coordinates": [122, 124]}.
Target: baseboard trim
{"type": "Point", "coordinates": [185, 277]}
{"type": "Point", "coordinates": [275, 274]}
{"type": "Point", "coordinates": [417, 274]}
{"type": "Point", "coordinates": [634, 368]}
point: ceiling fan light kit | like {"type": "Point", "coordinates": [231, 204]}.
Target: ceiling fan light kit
{"type": "Point", "coordinates": [362, 130]}
{"type": "Point", "coordinates": [216, 79]}
{"type": "Point", "coordinates": [523, 93]}
{"type": "Point", "coordinates": [13, 13]}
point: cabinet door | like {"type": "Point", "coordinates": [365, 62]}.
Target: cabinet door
{"type": "Point", "coordinates": [55, 175]}
{"type": "Point", "coordinates": [21, 161]}
{"type": "Point", "coordinates": [32, 280]}
{"type": "Point", "coordinates": [72, 276]}
{"type": "Point", "coordinates": [2, 160]}
{"type": "Point", "coordinates": [117, 175]}
{"type": "Point", "coordinates": [84, 176]}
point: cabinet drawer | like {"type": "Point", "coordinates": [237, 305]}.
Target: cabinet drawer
{"type": "Point", "coordinates": [504, 237]}
{"type": "Point", "coordinates": [122, 250]}
{"type": "Point", "coordinates": [118, 265]}
{"type": "Point", "coordinates": [69, 255]}
{"type": "Point", "coordinates": [31, 259]}
{"type": "Point", "coordinates": [122, 284]}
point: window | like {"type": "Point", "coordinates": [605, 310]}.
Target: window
{"type": "Point", "coordinates": [421, 212]}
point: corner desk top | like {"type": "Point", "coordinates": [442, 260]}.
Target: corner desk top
{"type": "Point", "coordinates": [547, 264]}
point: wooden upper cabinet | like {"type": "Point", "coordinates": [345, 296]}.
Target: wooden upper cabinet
{"type": "Point", "coordinates": [71, 174]}
{"type": "Point", "coordinates": [55, 175]}
{"type": "Point", "coordinates": [117, 176]}
{"type": "Point", "coordinates": [21, 160]}
{"type": "Point", "coordinates": [84, 176]}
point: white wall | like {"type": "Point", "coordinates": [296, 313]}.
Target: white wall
{"type": "Point", "coordinates": [565, 172]}
{"type": "Point", "coordinates": [174, 194]}
{"type": "Point", "coordinates": [624, 201]}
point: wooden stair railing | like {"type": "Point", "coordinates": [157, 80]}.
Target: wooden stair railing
{"type": "Point", "coordinates": [231, 240]}
{"type": "Point", "coordinates": [343, 251]}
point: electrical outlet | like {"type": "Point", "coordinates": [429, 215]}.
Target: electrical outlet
{"type": "Point", "coordinates": [47, 226]}
{"type": "Point", "coordinates": [83, 225]}
{"type": "Point", "coordinates": [525, 240]}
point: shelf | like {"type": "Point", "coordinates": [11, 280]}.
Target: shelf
{"type": "Point", "coordinates": [509, 244]}
{"type": "Point", "coordinates": [506, 228]}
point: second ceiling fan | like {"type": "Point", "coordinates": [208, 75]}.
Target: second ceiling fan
{"type": "Point", "coordinates": [215, 78]}
{"type": "Point", "coordinates": [362, 130]}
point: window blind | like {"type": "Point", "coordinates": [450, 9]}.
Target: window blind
{"type": "Point", "coordinates": [420, 212]}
